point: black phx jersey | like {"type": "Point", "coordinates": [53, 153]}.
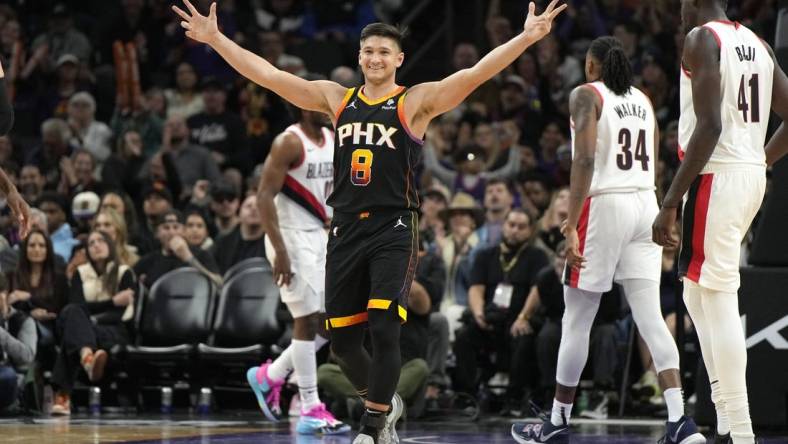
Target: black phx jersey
{"type": "Point", "coordinates": [374, 155]}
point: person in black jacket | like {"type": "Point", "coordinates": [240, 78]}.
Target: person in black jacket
{"type": "Point", "coordinates": [101, 300]}
{"type": "Point", "coordinates": [246, 239]}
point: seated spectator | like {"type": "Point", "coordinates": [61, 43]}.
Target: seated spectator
{"type": "Point", "coordinates": [221, 131]}
{"type": "Point", "coordinates": [196, 231]}
{"type": "Point", "coordinates": [122, 204]}
{"type": "Point", "coordinates": [78, 174]}
{"type": "Point", "coordinates": [549, 226]}
{"type": "Point", "coordinates": [463, 216]}
{"type": "Point", "coordinates": [425, 290]}
{"type": "Point", "coordinates": [55, 135]}
{"type": "Point", "coordinates": [37, 287]}
{"type": "Point", "coordinates": [84, 207]}
{"type": "Point", "coordinates": [500, 279]}
{"type": "Point", "coordinates": [225, 201]}
{"type": "Point", "coordinates": [101, 300]}
{"type": "Point", "coordinates": [88, 133]}
{"type": "Point", "coordinates": [192, 162]}
{"type": "Point", "coordinates": [157, 201]}
{"type": "Point", "coordinates": [431, 225]}
{"type": "Point", "coordinates": [498, 201]}
{"type": "Point", "coordinates": [18, 339]}
{"type": "Point", "coordinates": [534, 191]}
{"type": "Point", "coordinates": [184, 100]}
{"type": "Point", "coordinates": [31, 182]}
{"type": "Point", "coordinates": [245, 241]}
{"type": "Point", "coordinates": [122, 168]}
{"type": "Point", "coordinates": [56, 209]}
{"type": "Point", "coordinates": [174, 253]}
{"type": "Point", "coordinates": [108, 221]}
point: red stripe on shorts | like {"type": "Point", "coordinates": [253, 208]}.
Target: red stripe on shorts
{"type": "Point", "coordinates": [699, 227]}
{"type": "Point", "coordinates": [582, 230]}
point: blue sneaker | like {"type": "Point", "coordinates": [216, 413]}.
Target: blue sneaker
{"type": "Point", "coordinates": [319, 421]}
{"type": "Point", "coordinates": [266, 390]}
{"type": "Point", "coordinates": [529, 433]}
{"type": "Point", "coordinates": [683, 431]}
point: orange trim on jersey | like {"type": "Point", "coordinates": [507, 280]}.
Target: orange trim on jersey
{"type": "Point", "coordinates": [369, 101]}
{"type": "Point", "coordinates": [402, 313]}
{"type": "Point", "coordinates": [344, 103]}
{"type": "Point", "coordinates": [716, 36]}
{"type": "Point", "coordinates": [404, 121]}
{"type": "Point", "coordinates": [347, 321]}
{"type": "Point", "coordinates": [379, 304]}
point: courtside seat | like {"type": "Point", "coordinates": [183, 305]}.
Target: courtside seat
{"type": "Point", "coordinates": [252, 262]}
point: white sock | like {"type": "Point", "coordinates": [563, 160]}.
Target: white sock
{"type": "Point", "coordinates": [723, 426]}
{"type": "Point", "coordinates": [282, 366]}
{"type": "Point", "coordinates": [674, 399]}
{"type": "Point", "coordinates": [305, 365]}
{"type": "Point", "coordinates": [320, 342]}
{"type": "Point", "coordinates": [561, 413]}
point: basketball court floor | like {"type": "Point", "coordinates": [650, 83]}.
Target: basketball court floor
{"type": "Point", "coordinates": [248, 428]}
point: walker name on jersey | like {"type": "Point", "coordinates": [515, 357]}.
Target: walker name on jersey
{"type": "Point", "coordinates": [319, 170]}
{"type": "Point", "coordinates": [631, 110]}
{"type": "Point", "coordinates": [745, 53]}
{"type": "Point", "coordinates": [371, 133]}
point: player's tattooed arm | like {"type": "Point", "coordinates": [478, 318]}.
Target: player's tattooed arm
{"type": "Point", "coordinates": [701, 57]}
{"type": "Point", "coordinates": [584, 107]}
{"type": "Point", "coordinates": [778, 144]}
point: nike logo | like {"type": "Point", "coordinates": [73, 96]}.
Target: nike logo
{"type": "Point", "coordinates": [335, 231]}
{"type": "Point", "coordinates": [544, 437]}
{"type": "Point", "coordinates": [400, 223]}
{"type": "Point", "coordinates": [675, 436]}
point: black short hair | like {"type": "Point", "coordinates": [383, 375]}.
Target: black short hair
{"type": "Point", "coordinates": [384, 30]}
{"type": "Point", "coordinates": [498, 181]}
{"type": "Point", "coordinates": [522, 210]}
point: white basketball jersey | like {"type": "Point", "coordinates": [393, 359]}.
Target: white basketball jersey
{"type": "Point", "coordinates": [747, 72]}
{"type": "Point", "coordinates": [624, 160]}
{"type": "Point", "coordinates": [301, 204]}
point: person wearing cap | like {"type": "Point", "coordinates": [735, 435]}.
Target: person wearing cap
{"type": "Point", "coordinates": [174, 253]}
{"type": "Point", "coordinates": [56, 209]}
{"type": "Point", "coordinates": [462, 217]}
{"type": "Point", "coordinates": [221, 131]}
{"type": "Point", "coordinates": [156, 200]}
{"type": "Point", "coordinates": [84, 207]}
{"type": "Point", "coordinates": [60, 38]}
{"type": "Point", "coordinates": [193, 162]}
{"type": "Point", "coordinates": [225, 202]}
{"type": "Point", "coordinates": [88, 133]}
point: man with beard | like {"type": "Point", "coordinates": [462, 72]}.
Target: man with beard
{"type": "Point", "coordinates": [244, 241]}
{"type": "Point", "coordinates": [297, 178]}
{"type": "Point", "coordinates": [501, 276]}
{"type": "Point", "coordinates": [498, 201]}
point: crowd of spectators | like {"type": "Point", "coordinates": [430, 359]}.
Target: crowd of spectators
{"type": "Point", "coordinates": [134, 175]}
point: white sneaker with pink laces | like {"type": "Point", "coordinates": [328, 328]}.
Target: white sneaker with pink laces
{"type": "Point", "coordinates": [319, 421]}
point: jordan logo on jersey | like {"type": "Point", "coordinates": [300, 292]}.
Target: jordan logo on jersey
{"type": "Point", "coordinates": [400, 223]}
{"type": "Point", "coordinates": [372, 133]}
{"type": "Point", "coordinates": [351, 105]}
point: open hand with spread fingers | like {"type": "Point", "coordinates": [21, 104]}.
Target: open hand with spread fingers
{"type": "Point", "coordinates": [198, 27]}
{"type": "Point", "coordinates": [538, 26]}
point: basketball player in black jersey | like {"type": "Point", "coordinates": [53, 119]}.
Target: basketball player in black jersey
{"type": "Point", "coordinates": [372, 247]}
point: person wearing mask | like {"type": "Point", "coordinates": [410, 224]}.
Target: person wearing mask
{"type": "Point", "coordinates": [100, 302]}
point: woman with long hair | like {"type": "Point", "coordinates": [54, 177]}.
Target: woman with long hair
{"type": "Point", "coordinates": [111, 222]}
{"type": "Point", "coordinates": [101, 301]}
{"type": "Point", "coordinates": [36, 286]}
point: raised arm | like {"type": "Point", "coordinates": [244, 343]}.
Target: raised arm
{"type": "Point", "coordinates": [584, 107]}
{"type": "Point", "coordinates": [321, 95]}
{"type": "Point", "coordinates": [427, 100]}
{"type": "Point", "coordinates": [701, 57]}
{"type": "Point", "coordinates": [778, 144]}
{"type": "Point", "coordinates": [285, 152]}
